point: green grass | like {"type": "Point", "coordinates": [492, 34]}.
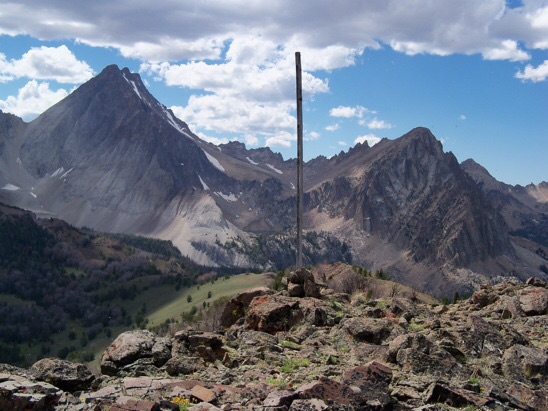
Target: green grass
{"type": "Point", "coordinates": [162, 302]}
{"type": "Point", "coordinates": [291, 364]}
{"type": "Point", "coordinates": [171, 305]}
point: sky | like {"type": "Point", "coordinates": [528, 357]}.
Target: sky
{"type": "Point", "coordinates": [474, 72]}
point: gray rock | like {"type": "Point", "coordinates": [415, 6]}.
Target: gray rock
{"type": "Point", "coordinates": [66, 375]}
{"type": "Point", "coordinates": [131, 346]}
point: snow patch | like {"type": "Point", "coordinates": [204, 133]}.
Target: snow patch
{"type": "Point", "coordinates": [214, 161]}
{"type": "Point", "coordinates": [65, 175]}
{"type": "Point", "coordinates": [274, 168]}
{"type": "Point", "coordinates": [171, 120]}
{"type": "Point", "coordinates": [132, 84]}
{"type": "Point", "coordinates": [57, 172]}
{"type": "Point", "coordinates": [18, 160]}
{"type": "Point", "coordinates": [34, 195]}
{"type": "Point", "coordinates": [251, 161]}
{"type": "Point", "coordinates": [204, 185]}
{"type": "Point", "coordinates": [293, 186]}
{"type": "Point", "coordinates": [61, 173]}
{"type": "Point", "coordinates": [230, 197]}
{"type": "Point", "coordinates": [10, 187]}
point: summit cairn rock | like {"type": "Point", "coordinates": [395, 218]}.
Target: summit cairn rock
{"type": "Point", "coordinates": [301, 283]}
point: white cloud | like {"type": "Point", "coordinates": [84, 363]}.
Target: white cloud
{"type": "Point", "coordinates": [534, 74]}
{"type": "Point", "coordinates": [313, 135]}
{"type": "Point", "coordinates": [199, 30]}
{"type": "Point", "coordinates": [378, 124]}
{"type": "Point", "coordinates": [462, 117]}
{"type": "Point", "coordinates": [342, 143]}
{"type": "Point", "coordinates": [371, 139]}
{"type": "Point", "coordinates": [281, 140]}
{"type": "Point", "coordinates": [32, 99]}
{"type": "Point", "coordinates": [47, 63]}
{"type": "Point", "coordinates": [508, 50]}
{"type": "Point", "coordinates": [332, 127]}
{"type": "Point", "coordinates": [211, 139]}
{"type": "Point", "coordinates": [251, 140]}
{"type": "Point", "coordinates": [349, 112]}
{"type": "Point", "coordinates": [237, 56]}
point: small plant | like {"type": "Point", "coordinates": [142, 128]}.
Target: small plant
{"type": "Point", "coordinates": [336, 305]}
{"type": "Point", "coordinates": [183, 402]}
{"type": "Point", "coordinates": [291, 364]}
{"type": "Point", "coordinates": [474, 380]}
{"type": "Point", "coordinates": [281, 383]}
{"type": "Point", "coordinates": [415, 327]}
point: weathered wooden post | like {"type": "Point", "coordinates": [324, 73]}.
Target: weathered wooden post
{"type": "Point", "coordinates": [299, 162]}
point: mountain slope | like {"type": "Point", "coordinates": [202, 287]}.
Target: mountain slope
{"type": "Point", "coordinates": [111, 157]}
{"type": "Point", "coordinates": [525, 209]}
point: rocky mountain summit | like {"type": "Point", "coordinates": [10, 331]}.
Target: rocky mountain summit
{"type": "Point", "coordinates": [308, 347]}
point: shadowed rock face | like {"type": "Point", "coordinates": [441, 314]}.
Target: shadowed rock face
{"type": "Point", "coordinates": [408, 355]}
{"type": "Point", "coordinates": [124, 149]}
{"type": "Point", "coordinates": [416, 196]}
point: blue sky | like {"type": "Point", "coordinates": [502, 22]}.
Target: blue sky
{"type": "Point", "coordinates": [475, 73]}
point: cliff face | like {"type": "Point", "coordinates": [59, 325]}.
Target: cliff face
{"type": "Point", "coordinates": [414, 195]}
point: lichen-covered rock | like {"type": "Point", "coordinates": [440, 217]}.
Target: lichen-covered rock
{"type": "Point", "coordinates": [131, 346]}
{"type": "Point", "coordinates": [66, 375]}
{"type": "Point", "coordinates": [523, 363]}
{"type": "Point", "coordinates": [20, 394]}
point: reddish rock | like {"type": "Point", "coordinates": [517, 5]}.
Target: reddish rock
{"type": "Point", "coordinates": [280, 398]}
{"type": "Point", "coordinates": [272, 314]}
{"type": "Point", "coordinates": [236, 307]}
{"type": "Point", "coordinates": [327, 390]}
{"type": "Point", "coordinates": [134, 404]}
{"type": "Point", "coordinates": [203, 394]}
{"type": "Point", "coordinates": [534, 300]}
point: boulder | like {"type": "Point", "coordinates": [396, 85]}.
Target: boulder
{"type": "Point", "coordinates": [327, 390]}
{"type": "Point", "coordinates": [272, 314]}
{"type": "Point", "coordinates": [372, 381]}
{"type": "Point", "coordinates": [300, 276]}
{"type": "Point", "coordinates": [534, 300]}
{"type": "Point", "coordinates": [369, 330]}
{"type": "Point", "coordinates": [483, 298]}
{"type": "Point", "coordinates": [63, 374]}
{"type": "Point", "coordinates": [523, 363]}
{"type": "Point", "coordinates": [20, 394]}
{"type": "Point", "coordinates": [236, 307]}
{"type": "Point", "coordinates": [207, 345]}
{"type": "Point", "coordinates": [131, 346]}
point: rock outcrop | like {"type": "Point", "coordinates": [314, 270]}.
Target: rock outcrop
{"type": "Point", "coordinates": [283, 353]}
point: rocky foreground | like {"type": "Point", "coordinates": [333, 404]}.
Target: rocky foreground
{"type": "Point", "coordinates": [309, 348]}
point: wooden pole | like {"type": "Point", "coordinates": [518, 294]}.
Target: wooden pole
{"type": "Point", "coordinates": [299, 162]}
